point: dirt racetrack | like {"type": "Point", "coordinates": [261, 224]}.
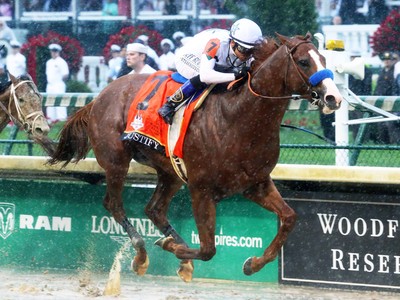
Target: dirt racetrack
{"type": "Point", "coordinates": [18, 284]}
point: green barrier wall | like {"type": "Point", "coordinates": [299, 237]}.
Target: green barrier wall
{"type": "Point", "coordinates": [46, 224]}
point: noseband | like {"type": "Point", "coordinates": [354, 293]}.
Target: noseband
{"type": "Point", "coordinates": [314, 79]}
{"type": "Point", "coordinates": [21, 119]}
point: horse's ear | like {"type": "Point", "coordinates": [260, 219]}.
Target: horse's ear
{"type": "Point", "coordinates": [283, 39]}
{"type": "Point", "coordinates": [308, 36]}
{"type": "Point", "coordinates": [13, 79]}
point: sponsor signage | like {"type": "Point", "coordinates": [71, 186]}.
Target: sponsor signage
{"type": "Point", "coordinates": [344, 240]}
{"type": "Point", "coordinates": [64, 225]}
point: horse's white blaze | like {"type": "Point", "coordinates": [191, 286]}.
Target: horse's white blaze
{"type": "Point", "coordinates": [317, 61]}
{"type": "Point", "coordinates": [331, 88]}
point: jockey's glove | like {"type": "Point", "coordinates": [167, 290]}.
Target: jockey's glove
{"type": "Point", "coordinates": [241, 72]}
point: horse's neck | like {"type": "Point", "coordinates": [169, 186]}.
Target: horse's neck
{"type": "Point", "coordinates": [269, 78]}
{"type": "Point", "coordinates": [246, 112]}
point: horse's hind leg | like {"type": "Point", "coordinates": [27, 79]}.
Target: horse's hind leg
{"type": "Point", "coordinates": [204, 212]}
{"type": "Point", "coordinates": [157, 209]}
{"type": "Point", "coordinates": [267, 196]}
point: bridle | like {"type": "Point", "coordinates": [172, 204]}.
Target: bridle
{"type": "Point", "coordinates": [21, 119]}
{"type": "Point", "coordinates": [318, 77]}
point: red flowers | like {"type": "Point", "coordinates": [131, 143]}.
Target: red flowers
{"type": "Point", "coordinates": [387, 36]}
{"type": "Point", "coordinates": [129, 34]}
{"type": "Point", "coordinates": [37, 53]}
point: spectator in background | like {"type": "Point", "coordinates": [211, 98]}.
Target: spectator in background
{"type": "Point", "coordinates": [177, 37]}
{"type": "Point", "coordinates": [110, 8]}
{"type": "Point", "coordinates": [169, 8]}
{"type": "Point", "coordinates": [33, 5]}
{"type": "Point", "coordinates": [386, 83]}
{"type": "Point", "coordinates": [6, 8]}
{"type": "Point", "coordinates": [136, 54]}
{"type": "Point", "coordinates": [146, 5]}
{"type": "Point", "coordinates": [347, 13]}
{"type": "Point", "coordinates": [6, 33]}
{"type": "Point", "coordinates": [115, 63]}
{"type": "Point", "coordinates": [167, 59]}
{"type": "Point", "coordinates": [57, 73]}
{"type": "Point", "coordinates": [386, 86]}
{"type": "Point", "coordinates": [15, 61]}
{"type": "Point", "coordinates": [377, 11]}
{"type": "Point", "coordinates": [124, 66]}
{"type": "Point", "coordinates": [57, 5]}
{"type": "Point", "coordinates": [144, 39]}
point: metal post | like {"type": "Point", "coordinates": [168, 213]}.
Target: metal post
{"type": "Point", "coordinates": [333, 59]}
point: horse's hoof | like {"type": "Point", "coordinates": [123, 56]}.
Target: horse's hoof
{"type": "Point", "coordinates": [162, 242]}
{"type": "Point", "coordinates": [140, 269]}
{"type": "Point", "coordinates": [185, 271]}
{"type": "Point", "coordinates": [247, 270]}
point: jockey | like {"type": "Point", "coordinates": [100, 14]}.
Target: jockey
{"type": "Point", "coordinates": [213, 51]}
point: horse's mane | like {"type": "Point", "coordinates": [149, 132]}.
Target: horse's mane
{"type": "Point", "coordinates": [268, 46]}
{"type": "Point", "coordinates": [263, 50]}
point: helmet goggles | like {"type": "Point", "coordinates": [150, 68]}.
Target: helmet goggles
{"type": "Point", "coordinates": [243, 50]}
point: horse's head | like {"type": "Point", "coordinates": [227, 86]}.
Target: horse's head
{"type": "Point", "coordinates": [306, 69]}
{"type": "Point", "coordinates": [25, 106]}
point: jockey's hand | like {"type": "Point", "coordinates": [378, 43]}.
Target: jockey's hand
{"type": "Point", "coordinates": [241, 72]}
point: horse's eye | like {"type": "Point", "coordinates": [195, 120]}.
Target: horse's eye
{"type": "Point", "coordinates": [21, 100]}
{"type": "Point", "coordinates": [304, 63]}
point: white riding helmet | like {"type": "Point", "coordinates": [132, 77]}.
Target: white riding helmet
{"type": "Point", "coordinates": [246, 33]}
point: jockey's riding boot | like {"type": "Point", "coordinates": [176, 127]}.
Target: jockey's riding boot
{"type": "Point", "coordinates": [167, 111]}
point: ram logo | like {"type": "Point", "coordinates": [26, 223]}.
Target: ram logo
{"type": "Point", "coordinates": [7, 219]}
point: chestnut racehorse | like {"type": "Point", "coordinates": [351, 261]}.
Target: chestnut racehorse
{"type": "Point", "coordinates": [21, 102]}
{"type": "Point", "coordinates": [231, 147]}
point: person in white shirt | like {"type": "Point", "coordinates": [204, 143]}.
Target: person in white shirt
{"type": "Point", "coordinates": [167, 59]}
{"type": "Point", "coordinates": [135, 58]}
{"type": "Point", "coordinates": [15, 61]}
{"type": "Point", "coordinates": [213, 56]}
{"type": "Point", "coordinates": [115, 63]}
{"type": "Point", "coordinates": [57, 73]}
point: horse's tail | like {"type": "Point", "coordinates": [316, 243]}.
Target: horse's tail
{"type": "Point", "coordinates": [73, 142]}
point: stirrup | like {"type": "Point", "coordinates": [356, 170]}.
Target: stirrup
{"type": "Point", "coordinates": [167, 112]}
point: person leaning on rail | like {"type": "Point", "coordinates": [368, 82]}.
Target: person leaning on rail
{"type": "Point", "coordinates": [209, 51]}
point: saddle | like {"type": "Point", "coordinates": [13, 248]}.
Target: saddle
{"type": "Point", "coordinates": [146, 126]}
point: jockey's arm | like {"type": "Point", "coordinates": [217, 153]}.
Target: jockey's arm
{"type": "Point", "coordinates": [207, 73]}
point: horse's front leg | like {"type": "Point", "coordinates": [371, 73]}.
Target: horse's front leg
{"type": "Point", "coordinates": [115, 177]}
{"type": "Point", "coordinates": [157, 209]}
{"type": "Point", "coordinates": [267, 196]}
{"type": "Point", "coordinates": [204, 211]}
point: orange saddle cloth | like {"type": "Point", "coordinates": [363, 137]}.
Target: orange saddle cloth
{"type": "Point", "coordinates": [145, 125]}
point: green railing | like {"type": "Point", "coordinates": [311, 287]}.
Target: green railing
{"type": "Point", "coordinates": [297, 146]}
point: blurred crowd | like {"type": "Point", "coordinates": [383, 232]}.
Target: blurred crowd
{"type": "Point", "coordinates": [344, 12]}
{"type": "Point", "coordinates": [167, 7]}
{"type": "Point", "coordinates": [139, 57]}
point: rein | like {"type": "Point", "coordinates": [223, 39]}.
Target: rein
{"type": "Point", "coordinates": [22, 119]}
{"type": "Point", "coordinates": [299, 72]}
